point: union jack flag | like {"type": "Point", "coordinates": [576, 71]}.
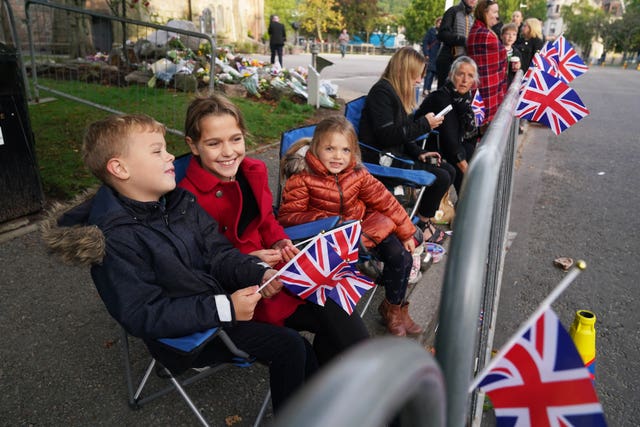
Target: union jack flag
{"type": "Point", "coordinates": [545, 64]}
{"type": "Point", "coordinates": [326, 268]}
{"type": "Point", "coordinates": [546, 99]}
{"type": "Point", "coordinates": [541, 380]}
{"type": "Point", "coordinates": [477, 105]}
{"type": "Point", "coordinates": [568, 62]}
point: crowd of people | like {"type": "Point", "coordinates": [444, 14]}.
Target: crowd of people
{"type": "Point", "coordinates": [171, 259]}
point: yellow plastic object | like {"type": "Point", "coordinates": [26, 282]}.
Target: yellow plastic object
{"type": "Point", "coordinates": [583, 333]}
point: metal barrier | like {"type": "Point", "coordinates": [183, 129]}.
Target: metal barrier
{"type": "Point", "coordinates": [391, 377]}
{"type": "Point", "coordinates": [378, 380]}
{"type": "Point", "coordinates": [40, 16]}
{"type": "Point", "coordinates": [471, 285]}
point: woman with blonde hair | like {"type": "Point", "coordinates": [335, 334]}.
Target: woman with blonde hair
{"type": "Point", "coordinates": [389, 124]}
{"type": "Point", "coordinates": [531, 41]}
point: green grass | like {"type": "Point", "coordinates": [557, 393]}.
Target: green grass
{"type": "Point", "coordinates": [58, 126]}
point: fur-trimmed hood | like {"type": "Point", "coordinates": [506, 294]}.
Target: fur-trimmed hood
{"type": "Point", "coordinates": [67, 232]}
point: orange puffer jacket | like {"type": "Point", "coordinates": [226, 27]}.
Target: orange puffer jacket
{"type": "Point", "coordinates": [314, 193]}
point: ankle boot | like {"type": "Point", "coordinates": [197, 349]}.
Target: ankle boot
{"type": "Point", "coordinates": [392, 316]}
{"type": "Point", "coordinates": [410, 326]}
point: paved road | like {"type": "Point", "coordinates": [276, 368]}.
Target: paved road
{"type": "Point", "coordinates": [60, 355]}
{"type": "Point", "coordinates": [576, 195]}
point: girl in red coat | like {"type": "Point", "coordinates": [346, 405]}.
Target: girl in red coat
{"type": "Point", "coordinates": [329, 179]}
{"type": "Point", "coordinates": [234, 190]}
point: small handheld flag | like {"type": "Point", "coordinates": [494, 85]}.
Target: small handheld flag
{"type": "Point", "coordinates": [326, 268]}
{"type": "Point", "coordinates": [477, 105]}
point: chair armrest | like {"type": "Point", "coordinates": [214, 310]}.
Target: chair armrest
{"type": "Point", "coordinates": [417, 177]}
{"type": "Point", "coordinates": [190, 342]}
{"type": "Point", "coordinates": [408, 162]}
{"type": "Point", "coordinates": [310, 229]}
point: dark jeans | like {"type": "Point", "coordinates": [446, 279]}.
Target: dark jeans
{"type": "Point", "coordinates": [428, 80]}
{"type": "Point", "coordinates": [469, 148]}
{"type": "Point", "coordinates": [445, 175]}
{"type": "Point", "coordinates": [289, 356]}
{"type": "Point", "coordinates": [335, 330]}
{"type": "Point", "coordinates": [397, 266]}
{"type": "Point", "coordinates": [276, 49]}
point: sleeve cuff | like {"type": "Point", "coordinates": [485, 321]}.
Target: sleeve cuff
{"type": "Point", "coordinates": [223, 307]}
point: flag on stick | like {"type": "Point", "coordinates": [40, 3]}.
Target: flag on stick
{"type": "Point", "coordinates": [477, 105]}
{"type": "Point", "coordinates": [547, 100]}
{"type": "Point", "coordinates": [568, 62]}
{"type": "Point", "coordinates": [326, 268]}
{"type": "Point", "coordinates": [538, 378]}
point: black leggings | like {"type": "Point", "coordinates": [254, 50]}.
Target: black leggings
{"type": "Point", "coordinates": [445, 176]}
{"type": "Point", "coordinates": [289, 356]}
{"type": "Point", "coordinates": [397, 266]}
{"type": "Point", "coordinates": [334, 329]}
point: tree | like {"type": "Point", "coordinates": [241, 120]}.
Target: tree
{"type": "Point", "coordinates": [285, 9]}
{"type": "Point", "coordinates": [418, 17]}
{"type": "Point", "coordinates": [584, 24]}
{"type": "Point", "coordinates": [320, 16]}
{"type": "Point", "coordinates": [623, 34]}
{"type": "Point", "coordinates": [360, 15]}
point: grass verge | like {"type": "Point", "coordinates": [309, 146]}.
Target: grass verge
{"type": "Point", "coordinates": [58, 125]}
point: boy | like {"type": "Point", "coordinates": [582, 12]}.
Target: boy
{"type": "Point", "coordinates": [159, 262]}
{"type": "Point", "coordinates": [509, 35]}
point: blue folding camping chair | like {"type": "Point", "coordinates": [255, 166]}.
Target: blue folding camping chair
{"type": "Point", "coordinates": [185, 345]}
{"type": "Point", "coordinates": [415, 179]}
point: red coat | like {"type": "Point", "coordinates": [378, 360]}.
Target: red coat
{"type": "Point", "coordinates": [352, 194]}
{"type": "Point", "coordinates": [222, 200]}
{"type": "Point", "coordinates": [490, 55]}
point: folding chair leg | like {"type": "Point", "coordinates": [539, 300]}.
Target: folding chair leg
{"type": "Point", "coordinates": [418, 200]}
{"type": "Point", "coordinates": [263, 409]}
{"type": "Point", "coordinates": [187, 399]}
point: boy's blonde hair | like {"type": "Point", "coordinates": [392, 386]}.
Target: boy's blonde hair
{"type": "Point", "coordinates": [336, 124]}
{"type": "Point", "coordinates": [402, 68]}
{"type": "Point", "coordinates": [109, 138]}
{"type": "Point", "coordinates": [213, 104]}
{"type": "Point", "coordinates": [509, 27]}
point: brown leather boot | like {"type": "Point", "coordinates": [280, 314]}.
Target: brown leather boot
{"type": "Point", "coordinates": [410, 326]}
{"type": "Point", "coordinates": [392, 316]}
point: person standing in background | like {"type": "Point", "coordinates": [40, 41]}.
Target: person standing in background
{"type": "Point", "coordinates": [486, 49]}
{"type": "Point", "coordinates": [516, 18]}
{"type": "Point", "coordinates": [277, 37]}
{"type": "Point", "coordinates": [343, 40]}
{"type": "Point", "coordinates": [453, 32]}
{"type": "Point", "coordinates": [430, 48]}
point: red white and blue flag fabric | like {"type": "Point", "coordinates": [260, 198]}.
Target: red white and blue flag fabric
{"type": "Point", "coordinates": [541, 380]}
{"type": "Point", "coordinates": [568, 63]}
{"type": "Point", "coordinates": [326, 268]}
{"type": "Point", "coordinates": [548, 100]}
{"type": "Point", "coordinates": [545, 64]}
{"type": "Point", "coordinates": [477, 105]}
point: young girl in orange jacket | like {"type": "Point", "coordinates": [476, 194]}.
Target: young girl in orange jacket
{"type": "Point", "coordinates": [326, 178]}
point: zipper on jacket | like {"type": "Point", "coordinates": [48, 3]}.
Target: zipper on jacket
{"type": "Point", "coordinates": [341, 196]}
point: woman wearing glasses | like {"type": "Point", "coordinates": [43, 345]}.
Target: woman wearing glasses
{"type": "Point", "coordinates": [485, 48]}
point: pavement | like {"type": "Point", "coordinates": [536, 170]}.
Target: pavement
{"type": "Point", "coordinates": [60, 355]}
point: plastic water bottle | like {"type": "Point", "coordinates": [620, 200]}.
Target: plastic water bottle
{"type": "Point", "coordinates": [583, 333]}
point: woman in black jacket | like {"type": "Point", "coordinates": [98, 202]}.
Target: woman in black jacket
{"type": "Point", "coordinates": [456, 143]}
{"type": "Point", "coordinates": [388, 124]}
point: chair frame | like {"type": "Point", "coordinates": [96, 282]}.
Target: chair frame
{"type": "Point", "coordinates": [136, 400]}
